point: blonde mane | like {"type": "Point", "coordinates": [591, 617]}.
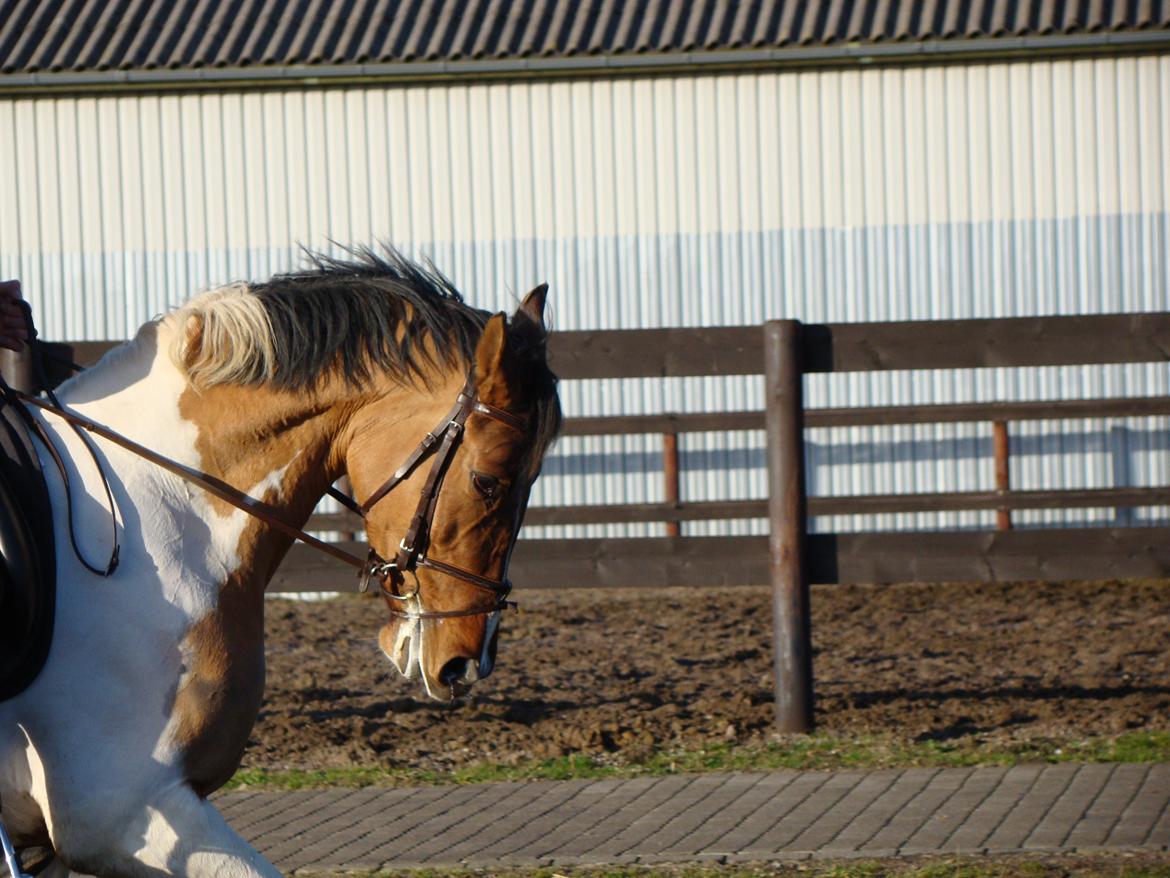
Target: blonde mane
{"type": "Point", "coordinates": [223, 336]}
{"type": "Point", "coordinates": [378, 314]}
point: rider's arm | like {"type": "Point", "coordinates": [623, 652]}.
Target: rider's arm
{"type": "Point", "coordinates": [13, 333]}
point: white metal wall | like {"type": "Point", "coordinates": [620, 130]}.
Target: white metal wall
{"type": "Point", "coordinates": [885, 194]}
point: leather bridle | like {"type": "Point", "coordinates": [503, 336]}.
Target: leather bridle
{"type": "Point", "coordinates": [411, 555]}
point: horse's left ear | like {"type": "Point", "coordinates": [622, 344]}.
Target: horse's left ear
{"type": "Point", "coordinates": [533, 305]}
{"type": "Point", "coordinates": [491, 380]}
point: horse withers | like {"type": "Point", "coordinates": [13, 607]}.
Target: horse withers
{"type": "Point", "coordinates": [371, 368]}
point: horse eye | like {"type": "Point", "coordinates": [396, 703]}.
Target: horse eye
{"type": "Point", "coordinates": [485, 484]}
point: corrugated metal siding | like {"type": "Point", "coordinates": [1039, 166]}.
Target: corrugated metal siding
{"type": "Point", "coordinates": [76, 35]}
{"type": "Point", "coordinates": [995, 190]}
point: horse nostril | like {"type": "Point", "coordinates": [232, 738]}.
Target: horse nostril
{"type": "Point", "coordinates": [459, 670]}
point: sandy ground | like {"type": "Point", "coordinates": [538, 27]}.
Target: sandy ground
{"type": "Point", "coordinates": [626, 672]}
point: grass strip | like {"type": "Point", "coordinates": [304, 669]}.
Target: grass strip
{"type": "Point", "coordinates": [801, 752]}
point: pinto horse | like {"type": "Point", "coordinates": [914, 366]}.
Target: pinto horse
{"type": "Point", "coordinates": [156, 672]}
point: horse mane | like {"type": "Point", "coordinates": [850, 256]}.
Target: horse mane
{"type": "Point", "coordinates": [341, 316]}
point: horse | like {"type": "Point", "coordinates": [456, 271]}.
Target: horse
{"type": "Point", "coordinates": [270, 392]}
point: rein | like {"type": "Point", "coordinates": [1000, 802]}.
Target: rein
{"type": "Point", "coordinates": [442, 440]}
{"type": "Point", "coordinates": [221, 489]}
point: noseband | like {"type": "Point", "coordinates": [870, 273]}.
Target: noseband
{"type": "Point", "coordinates": [411, 555]}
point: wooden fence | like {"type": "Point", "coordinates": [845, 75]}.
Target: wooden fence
{"type": "Point", "coordinates": [790, 558]}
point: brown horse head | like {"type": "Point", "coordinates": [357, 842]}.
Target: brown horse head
{"type": "Point", "coordinates": [343, 370]}
{"type": "Point", "coordinates": [445, 512]}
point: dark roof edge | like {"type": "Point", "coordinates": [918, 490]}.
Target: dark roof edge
{"type": "Point", "coordinates": [843, 55]}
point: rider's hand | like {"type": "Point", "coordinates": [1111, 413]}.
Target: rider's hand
{"type": "Point", "coordinates": [13, 332]}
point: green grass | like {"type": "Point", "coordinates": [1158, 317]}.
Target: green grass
{"type": "Point", "coordinates": [1055, 866]}
{"type": "Point", "coordinates": [820, 751]}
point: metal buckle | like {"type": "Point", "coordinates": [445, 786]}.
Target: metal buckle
{"type": "Point", "coordinates": [402, 597]}
{"type": "Point", "coordinates": [375, 566]}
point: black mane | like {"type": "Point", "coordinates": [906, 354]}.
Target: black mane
{"type": "Point", "coordinates": [374, 310]}
{"type": "Point", "coordinates": [377, 310]}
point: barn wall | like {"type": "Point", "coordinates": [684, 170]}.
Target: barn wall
{"type": "Point", "coordinates": [885, 194]}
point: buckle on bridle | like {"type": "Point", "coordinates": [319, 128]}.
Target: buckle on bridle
{"type": "Point", "coordinates": [393, 595]}
{"type": "Point", "coordinates": [377, 566]}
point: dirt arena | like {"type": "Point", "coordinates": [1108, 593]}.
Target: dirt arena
{"type": "Point", "coordinates": [626, 672]}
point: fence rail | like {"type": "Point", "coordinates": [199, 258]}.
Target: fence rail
{"type": "Point", "coordinates": [857, 504]}
{"type": "Point", "coordinates": [847, 347]}
{"type": "Point", "coordinates": [716, 562]}
{"type": "Point", "coordinates": [874, 416]}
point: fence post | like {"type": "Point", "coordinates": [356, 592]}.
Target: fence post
{"type": "Point", "coordinates": [1003, 478]}
{"type": "Point", "coordinates": [670, 478]}
{"type": "Point", "coordinates": [784, 425]}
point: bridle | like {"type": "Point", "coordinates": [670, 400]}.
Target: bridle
{"type": "Point", "coordinates": [411, 555]}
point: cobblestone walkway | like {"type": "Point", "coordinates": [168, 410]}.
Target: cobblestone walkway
{"type": "Point", "coordinates": [714, 817]}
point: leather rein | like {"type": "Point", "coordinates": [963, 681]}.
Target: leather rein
{"type": "Point", "coordinates": [442, 441]}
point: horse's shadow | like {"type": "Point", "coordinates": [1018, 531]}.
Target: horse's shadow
{"type": "Point", "coordinates": [512, 710]}
{"type": "Point", "coordinates": [1066, 692]}
{"type": "Point", "coordinates": [374, 710]}
{"type": "Point", "coordinates": [965, 727]}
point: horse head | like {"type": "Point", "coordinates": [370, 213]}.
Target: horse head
{"type": "Point", "coordinates": [438, 413]}
{"type": "Point", "coordinates": [442, 515]}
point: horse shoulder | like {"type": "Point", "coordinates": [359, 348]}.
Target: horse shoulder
{"type": "Point", "coordinates": [222, 687]}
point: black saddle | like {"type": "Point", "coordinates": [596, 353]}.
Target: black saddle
{"type": "Point", "coordinates": [27, 556]}
{"type": "Point", "coordinates": [27, 549]}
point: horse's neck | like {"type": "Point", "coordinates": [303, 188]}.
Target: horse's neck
{"type": "Point", "coordinates": [275, 446]}
{"type": "Point", "coordinates": [135, 390]}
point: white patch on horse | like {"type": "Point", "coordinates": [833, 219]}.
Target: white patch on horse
{"type": "Point", "coordinates": [160, 841]}
{"type": "Point", "coordinates": [404, 653]}
{"type": "Point", "coordinates": [224, 543]}
{"type": "Point", "coordinates": [408, 654]}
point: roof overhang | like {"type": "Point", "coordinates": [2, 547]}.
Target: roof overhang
{"type": "Point", "coordinates": [590, 66]}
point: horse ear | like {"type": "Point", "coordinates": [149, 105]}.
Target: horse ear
{"type": "Point", "coordinates": [533, 305]}
{"type": "Point", "coordinates": [491, 381]}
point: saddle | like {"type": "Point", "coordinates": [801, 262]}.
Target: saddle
{"type": "Point", "coordinates": [27, 556]}
{"type": "Point", "coordinates": [28, 559]}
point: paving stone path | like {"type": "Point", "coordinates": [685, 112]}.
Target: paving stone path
{"type": "Point", "coordinates": [736, 817]}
